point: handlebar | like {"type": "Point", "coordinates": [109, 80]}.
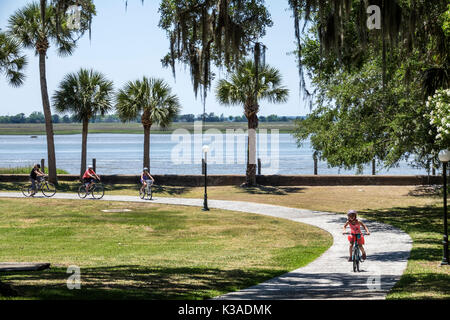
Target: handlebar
{"type": "Point", "coordinates": [349, 233]}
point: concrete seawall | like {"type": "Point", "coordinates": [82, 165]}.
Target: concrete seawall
{"type": "Point", "coordinates": [269, 180]}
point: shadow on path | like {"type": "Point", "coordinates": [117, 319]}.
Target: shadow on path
{"type": "Point", "coordinates": [137, 282]}
{"type": "Point", "coordinates": [319, 286]}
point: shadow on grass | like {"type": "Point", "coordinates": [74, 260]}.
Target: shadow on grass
{"type": "Point", "coordinates": [410, 219]}
{"type": "Point", "coordinates": [418, 283]}
{"type": "Point", "coordinates": [260, 189]}
{"type": "Point", "coordinates": [425, 226]}
{"type": "Point", "coordinates": [433, 191]}
{"type": "Point", "coordinates": [171, 190]}
{"type": "Point", "coordinates": [137, 282]}
{"type": "Point", "coordinates": [11, 186]}
{"type": "Point", "coordinates": [157, 189]}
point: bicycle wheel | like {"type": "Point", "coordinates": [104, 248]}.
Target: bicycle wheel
{"type": "Point", "coordinates": [150, 194]}
{"type": "Point", "coordinates": [48, 189]}
{"type": "Point", "coordinates": [98, 191]}
{"type": "Point", "coordinates": [356, 258]}
{"type": "Point", "coordinates": [142, 194]}
{"type": "Point", "coordinates": [27, 190]}
{"type": "Point", "coordinates": [82, 191]}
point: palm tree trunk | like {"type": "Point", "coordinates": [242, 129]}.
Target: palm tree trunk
{"type": "Point", "coordinates": [147, 146]}
{"type": "Point", "coordinates": [84, 146]}
{"type": "Point", "coordinates": [42, 47]}
{"type": "Point", "coordinates": [48, 120]}
{"type": "Point", "coordinates": [250, 175]}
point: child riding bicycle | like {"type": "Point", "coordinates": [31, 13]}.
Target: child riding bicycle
{"type": "Point", "coordinates": [90, 177]}
{"type": "Point", "coordinates": [355, 232]}
{"type": "Point", "coordinates": [34, 174]}
{"type": "Point", "coordinates": [146, 179]}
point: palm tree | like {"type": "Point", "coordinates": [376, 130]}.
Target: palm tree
{"type": "Point", "coordinates": [85, 94]}
{"type": "Point", "coordinates": [152, 100]}
{"type": "Point", "coordinates": [247, 87]}
{"type": "Point", "coordinates": [11, 60]}
{"type": "Point", "coordinates": [35, 26]}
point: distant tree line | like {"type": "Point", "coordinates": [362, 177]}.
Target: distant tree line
{"type": "Point", "coordinates": [38, 117]}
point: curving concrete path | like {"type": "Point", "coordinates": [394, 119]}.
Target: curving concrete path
{"type": "Point", "coordinates": [328, 277]}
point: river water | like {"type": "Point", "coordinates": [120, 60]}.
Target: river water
{"type": "Point", "coordinates": [174, 154]}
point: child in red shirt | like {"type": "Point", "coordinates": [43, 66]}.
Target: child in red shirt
{"type": "Point", "coordinates": [355, 230]}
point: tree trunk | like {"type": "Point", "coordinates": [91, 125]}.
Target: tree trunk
{"type": "Point", "coordinates": [250, 176]}
{"type": "Point", "coordinates": [48, 120]}
{"type": "Point", "coordinates": [84, 146]}
{"type": "Point", "coordinates": [147, 146]}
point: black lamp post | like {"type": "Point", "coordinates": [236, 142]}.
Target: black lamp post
{"type": "Point", "coordinates": [205, 150]}
{"type": "Point", "coordinates": [444, 157]}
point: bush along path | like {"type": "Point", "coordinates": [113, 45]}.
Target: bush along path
{"type": "Point", "coordinates": [331, 275]}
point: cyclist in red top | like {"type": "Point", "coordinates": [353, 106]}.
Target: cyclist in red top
{"type": "Point", "coordinates": [355, 230]}
{"type": "Point", "coordinates": [89, 178]}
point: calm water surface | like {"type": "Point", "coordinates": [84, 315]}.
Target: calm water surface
{"type": "Point", "coordinates": [171, 154]}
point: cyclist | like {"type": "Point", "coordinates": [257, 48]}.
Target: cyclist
{"type": "Point", "coordinates": [146, 178]}
{"type": "Point", "coordinates": [34, 174]}
{"type": "Point", "coordinates": [355, 232]}
{"type": "Point", "coordinates": [89, 177]}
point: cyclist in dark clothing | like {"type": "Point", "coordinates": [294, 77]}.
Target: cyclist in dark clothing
{"type": "Point", "coordinates": [34, 174]}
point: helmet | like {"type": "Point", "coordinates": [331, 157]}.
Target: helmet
{"type": "Point", "coordinates": [145, 169]}
{"type": "Point", "coordinates": [351, 212]}
{"type": "Point", "coordinates": [38, 165]}
{"type": "Point", "coordinates": [90, 167]}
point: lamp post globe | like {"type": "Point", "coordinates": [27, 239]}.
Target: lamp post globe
{"type": "Point", "coordinates": [444, 155]}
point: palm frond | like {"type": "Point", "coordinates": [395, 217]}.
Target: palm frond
{"type": "Point", "coordinates": [150, 97]}
{"type": "Point", "coordinates": [243, 86]}
{"type": "Point", "coordinates": [84, 94]}
{"type": "Point", "coordinates": [12, 62]}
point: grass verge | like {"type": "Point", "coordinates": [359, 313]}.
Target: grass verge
{"type": "Point", "coordinates": [135, 128]}
{"type": "Point", "coordinates": [415, 210]}
{"type": "Point", "coordinates": [26, 170]}
{"type": "Point", "coordinates": [150, 252]}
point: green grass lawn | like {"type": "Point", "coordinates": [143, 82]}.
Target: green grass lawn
{"type": "Point", "coordinates": [134, 128]}
{"type": "Point", "coordinates": [26, 170]}
{"type": "Point", "coordinates": [415, 210]}
{"type": "Point", "coordinates": [152, 252]}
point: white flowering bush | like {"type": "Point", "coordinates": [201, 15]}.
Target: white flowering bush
{"type": "Point", "coordinates": [439, 115]}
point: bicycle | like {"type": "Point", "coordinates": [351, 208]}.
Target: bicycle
{"type": "Point", "coordinates": [356, 253]}
{"type": "Point", "coordinates": [48, 189]}
{"type": "Point", "coordinates": [146, 193]}
{"type": "Point", "coordinates": [97, 190]}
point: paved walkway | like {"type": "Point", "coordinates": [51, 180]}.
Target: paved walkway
{"type": "Point", "coordinates": [328, 277]}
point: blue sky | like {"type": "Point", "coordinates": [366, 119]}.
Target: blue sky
{"type": "Point", "coordinates": [128, 44]}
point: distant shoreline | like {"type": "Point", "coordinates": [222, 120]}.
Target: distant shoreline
{"type": "Point", "coordinates": [31, 129]}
